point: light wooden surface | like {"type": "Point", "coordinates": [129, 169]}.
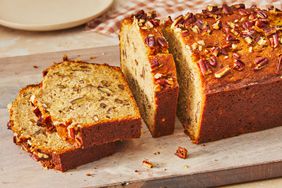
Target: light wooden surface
{"type": "Point", "coordinates": [245, 158]}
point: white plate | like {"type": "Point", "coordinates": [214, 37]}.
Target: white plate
{"type": "Point", "coordinates": [46, 15]}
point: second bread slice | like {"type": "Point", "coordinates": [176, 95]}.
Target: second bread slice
{"type": "Point", "coordinates": [89, 104]}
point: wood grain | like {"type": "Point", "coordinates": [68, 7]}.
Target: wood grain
{"type": "Point", "coordinates": [240, 159]}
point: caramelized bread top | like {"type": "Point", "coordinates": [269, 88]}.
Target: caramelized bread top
{"type": "Point", "coordinates": [233, 45]}
{"type": "Point", "coordinates": [33, 138]}
{"type": "Point", "coordinates": [161, 61]}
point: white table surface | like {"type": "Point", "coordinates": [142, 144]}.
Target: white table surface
{"type": "Point", "coordinates": [18, 43]}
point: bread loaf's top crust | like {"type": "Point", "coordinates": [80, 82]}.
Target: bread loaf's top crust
{"type": "Point", "coordinates": [233, 45]}
{"type": "Point", "coordinates": [161, 61]}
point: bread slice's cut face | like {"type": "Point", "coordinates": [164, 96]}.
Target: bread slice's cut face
{"type": "Point", "coordinates": [85, 94]}
{"type": "Point", "coordinates": [135, 64]}
{"type": "Point", "coordinates": [191, 97]}
{"type": "Point", "coordinates": [45, 146]}
{"type": "Point", "coordinates": [150, 70]}
{"type": "Point", "coordinates": [88, 104]}
{"type": "Point", "coordinates": [23, 123]}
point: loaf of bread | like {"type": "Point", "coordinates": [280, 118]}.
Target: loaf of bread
{"type": "Point", "coordinates": [150, 71]}
{"type": "Point", "coordinates": [44, 146]}
{"type": "Point", "coordinates": [89, 104]}
{"type": "Point", "coordinates": [229, 67]}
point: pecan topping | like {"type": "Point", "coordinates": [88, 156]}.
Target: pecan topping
{"type": "Point", "coordinates": [261, 14]}
{"type": "Point", "coordinates": [222, 72]}
{"type": "Point", "coordinates": [157, 76]}
{"type": "Point", "coordinates": [231, 38]}
{"type": "Point", "coordinates": [279, 65]}
{"type": "Point", "coordinates": [275, 40]}
{"type": "Point", "coordinates": [140, 14]}
{"type": "Point", "coordinates": [150, 40]}
{"type": "Point", "coordinates": [260, 62]}
{"type": "Point", "coordinates": [212, 8]}
{"type": "Point", "coordinates": [248, 24]}
{"type": "Point", "coordinates": [155, 22]}
{"type": "Point", "coordinates": [213, 61]}
{"type": "Point", "coordinates": [185, 33]}
{"type": "Point", "coordinates": [239, 6]}
{"type": "Point", "coordinates": [244, 12]}
{"type": "Point", "coordinates": [226, 9]}
{"type": "Point", "coordinates": [236, 55]}
{"type": "Point", "coordinates": [177, 21]}
{"type": "Point", "coordinates": [71, 132]}
{"type": "Point", "coordinates": [162, 42]}
{"type": "Point", "coordinates": [215, 51]}
{"type": "Point", "coordinates": [189, 19]}
{"type": "Point", "coordinates": [181, 152]}
{"type": "Point", "coordinates": [147, 163]}
{"type": "Point", "coordinates": [204, 67]}
{"type": "Point", "coordinates": [238, 65]}
{"type": "Point", "coordinates": [37, 112]}
{"type": "Point", "coordinates": [261, 23]}
{"type": "Point", "coordinates": [217, 25]}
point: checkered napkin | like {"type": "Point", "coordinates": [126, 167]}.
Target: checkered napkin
{"type": "Point", "coordinates": [109, 23]}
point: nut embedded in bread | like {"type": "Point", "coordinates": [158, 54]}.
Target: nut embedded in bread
{"type": "Point", "coordinates": [88, 104]}
{"type": "Point", "coordinates": [150, 71]}
{"type": "Point", "coordinates": [228, 63]}
{"type": "Point", "coordinates": [46, 147]}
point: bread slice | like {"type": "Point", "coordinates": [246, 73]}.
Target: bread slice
{"type": "Point", "coordinates": [46, 147]}
{"type": "Point", "coordinates": [89, 104]}
{"type": "Point", "coordinates": [229, 70]}
{"type": "Point", "coordinates": [150, 71]}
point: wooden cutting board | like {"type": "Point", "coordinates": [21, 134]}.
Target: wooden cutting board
{"type": "Point", "coordinates": [239, 159]}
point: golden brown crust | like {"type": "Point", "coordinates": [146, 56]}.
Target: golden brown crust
{"type": "Point", "coordinates": [238, 31]}
{"type": "Point", "coordinates": [163, 70]}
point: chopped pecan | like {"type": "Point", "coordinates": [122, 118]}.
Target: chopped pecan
{"type": "Point", "coordinates": [213, 61]}
{"type": "Point", "coordinates": [222, 72]}
{"type": "Point", "coordinates": [162, 42]}
{"type": "Point", "coordinates": [150, 40]}
{"type": "Point", "coordinates": [279, 64]}
{"type": "Point", "coordinates": [238, 65]}
{"type": "Point", "coordinates": [37, 112]}
{"type": "Point", "coordinates": [260, 62]}
{"type": "Point", "coordinates": [181, 152]}
{"type": "Point", "coordinates": [226, 9]}
{"type": "Point", "coordinates": [261, 14]}
{"type": "Point", "coordinates": [204, 67]}
{"type": "Point", "coordinates": [147, 163]}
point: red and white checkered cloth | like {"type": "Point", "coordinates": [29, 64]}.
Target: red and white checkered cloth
{"type": "Point", "coordinates": [109, 23]}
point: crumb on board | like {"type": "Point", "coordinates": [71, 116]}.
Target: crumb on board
{"type": "Point", "coordinates": [89, 174]}
{"type": "Point", "coordinates": [93, 57]}
{"type": "Point", "coordinates": [147, 163]}
{"type": "Point", "coordinates": [186, 166]}
{"type": "Point", "coordinates": [181, 152]}
{"type": "Point", "coordinates": [157, 153]}
{"type": "Point", "coordinates": [35, 66]}
{"type": "Point", "coordinates": [136, 171]}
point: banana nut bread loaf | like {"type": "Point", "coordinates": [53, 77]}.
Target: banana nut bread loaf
{"type": "Point", "coordinates": [229, 67]}
{"type": "Point", "coordinates": [87, 103]}
{"type": "Point", "coordinates": [150, 71]}
{"type": "Point", "coordinates": [46, 147]}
